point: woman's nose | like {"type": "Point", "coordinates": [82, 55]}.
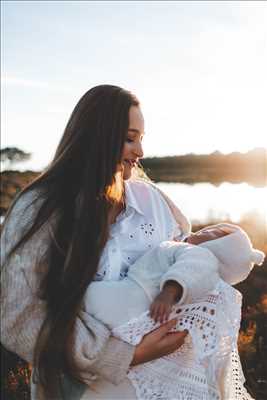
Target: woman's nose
{"type": "Point", "coordinates": [139, 150]}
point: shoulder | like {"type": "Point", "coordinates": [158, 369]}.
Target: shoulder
{"type": "Point", "coordinates": [150, 199]}
{"type": "Point", "coordinates": [145, 195]}
{"type": "Point", "coordinates": [20, 214]}
{"type": "Point", "coordinates": [142, 188]}
{"type": "Point", "coordinates": [24, 206]}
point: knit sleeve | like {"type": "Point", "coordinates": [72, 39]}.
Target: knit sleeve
{"type": "Point", "coordinates": [23, 312]}
{"type": "Point", "coordinates": [194, 269]}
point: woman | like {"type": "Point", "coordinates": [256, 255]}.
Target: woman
{"type": "Point", "coordinates": [60, 234]}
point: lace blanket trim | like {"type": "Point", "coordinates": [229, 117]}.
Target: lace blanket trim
{"type": "Point", "coordinates": [207, 366]}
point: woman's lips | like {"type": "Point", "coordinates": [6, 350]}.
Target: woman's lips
{"type": "Point", "coordinates": [132, 163]}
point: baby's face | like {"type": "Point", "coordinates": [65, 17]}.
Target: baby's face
{"type": "Point", "coordinates": [205, 235]}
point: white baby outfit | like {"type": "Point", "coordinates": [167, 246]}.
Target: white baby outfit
{"type": "Point", "coordinates": [207, 366]}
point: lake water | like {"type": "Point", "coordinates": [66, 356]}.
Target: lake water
{"type": "Point", "coordinates": [204, 202]}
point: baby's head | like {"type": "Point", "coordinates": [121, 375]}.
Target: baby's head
{"type": "Point", "coordinates": [206, 234]}
{"type": "Point", "coordinates": [233, 248]}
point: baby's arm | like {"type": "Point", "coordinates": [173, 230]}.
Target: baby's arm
{"type": "Point", "coordinates": [193, 267]}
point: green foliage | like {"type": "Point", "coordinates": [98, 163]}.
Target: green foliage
{"type": "Point", "coordinates": [12, 155]}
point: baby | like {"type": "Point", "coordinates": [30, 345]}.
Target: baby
{"type": "Point", "coordinates": [189, 283]}
{"type": "Point", "coordinates": [171, 292]}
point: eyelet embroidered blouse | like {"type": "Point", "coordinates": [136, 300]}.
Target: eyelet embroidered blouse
{"type": "Point", "coordinates": [146, 222]}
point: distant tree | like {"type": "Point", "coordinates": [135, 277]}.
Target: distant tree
{"type": "Point", "coordinates": [12, 155]}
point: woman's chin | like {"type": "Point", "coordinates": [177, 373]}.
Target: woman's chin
{"type": "Point", "coordinates": [127, 175]}
{"type": "Point", "coordinates": [127, 172]}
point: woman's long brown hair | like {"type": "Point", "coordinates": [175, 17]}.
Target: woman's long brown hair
{"type": "Point", "coordinates": [78, 189]}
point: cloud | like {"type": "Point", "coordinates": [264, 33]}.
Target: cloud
{"type": "Point", "coordinates": [14, 81]}
{"type": "Point", "coordinates": [36, 84]}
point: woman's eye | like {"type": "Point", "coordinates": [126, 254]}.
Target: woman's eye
{"type": "Point", "coordinates": [128, 140]}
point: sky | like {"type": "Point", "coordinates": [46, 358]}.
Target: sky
{"type": "Point", "coordinates": [197, 67]}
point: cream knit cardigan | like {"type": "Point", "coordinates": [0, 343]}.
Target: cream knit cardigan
{"type": "Point", "coordinates": [22, 311]}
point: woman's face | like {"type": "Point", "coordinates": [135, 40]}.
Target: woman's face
{"type": "Point", "coordinates": [133, 149]}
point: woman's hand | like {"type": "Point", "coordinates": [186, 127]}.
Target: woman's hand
{"type": "Point", "coordinates": [158, 343]}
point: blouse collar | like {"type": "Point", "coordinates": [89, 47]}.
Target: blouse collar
{"type": "Point", "coordinates": [130, 198]}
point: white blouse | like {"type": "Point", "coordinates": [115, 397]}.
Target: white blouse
{"type": "Point", "coordinates": [146, 222]}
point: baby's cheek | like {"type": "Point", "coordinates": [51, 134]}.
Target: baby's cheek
{"type": "Point", "coordinates": [196, 239]}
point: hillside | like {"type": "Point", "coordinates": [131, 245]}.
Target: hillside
{"type": "Point", "coordinates": [215, 168]}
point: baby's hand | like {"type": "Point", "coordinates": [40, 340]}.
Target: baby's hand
{"type": "Point", "coordinates": [161, 307]}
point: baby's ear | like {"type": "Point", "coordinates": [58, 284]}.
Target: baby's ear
{"type": "Point", "coordinates": [257, 257]}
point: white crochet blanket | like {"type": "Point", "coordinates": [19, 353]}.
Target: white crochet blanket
{"type": "Point", "coordinates": [207, 366]}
